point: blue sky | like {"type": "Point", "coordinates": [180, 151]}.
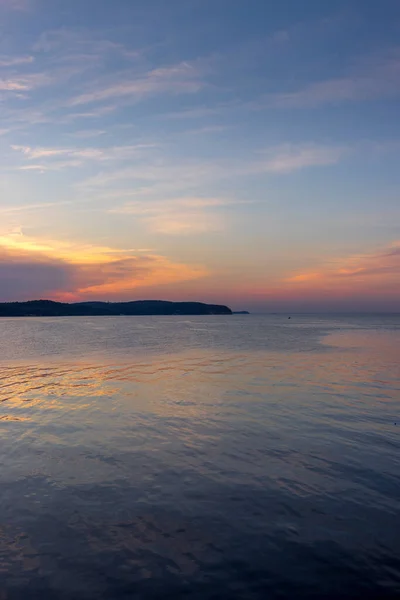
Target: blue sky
{"type": "Point", "coordinates": [233, 151]}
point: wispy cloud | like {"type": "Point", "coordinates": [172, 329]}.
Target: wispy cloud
{"type": "Point", "coordinates": [179, 216]}
{"type": "Point", "coordinates": [209, 129]}
{"type": "Point", "coordinates": [13, 85]}
{"type": "Point", "coordinates": [157, 176]}
{"type": "Point", "coordinates": [105, 93]}
{"type": "Point", "coordinates": [61, 270]}
{"type": "Point", "coordinates": [75, 44]}
{"type": "Point", "coordinates": [363, 281]}
{"type": "Point", "coordinates": [379, 268]}
{"type": "Point", "coordinates": [202, 112]}
{"type": "Point", "coordinates": [77, 58]}
{"type": "Point", "coordinates": [14, 4]}
{"type": "Point", "coordinates": [291, 157]}
{"type": "Point", "coordinates": [370, 79]}
{"type": "Point", "coordinates": [180, 78]}
{"type": "Point", "coordinates": [87, 133]}
{"type": "Point", "coordinates": [14, 61]}
{"type": "Point", "coordinates": [57, 166]}
{"type": "Point", "coordinates": [94, 113]}
{"type": "Point", "coordinates": [31, 207]}
{"type": "Point", "coordinates": [27, 82]}
{"type": "Point", "coordinates": [56, 157]}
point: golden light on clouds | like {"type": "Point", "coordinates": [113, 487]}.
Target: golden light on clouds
{"type": "Point", "coordinates": [179, 216]}
{"type": "Point", "coordinates": [355, 271]}
{"type": "Point", "coordinates": [124, 275]}
{"type": "Point", "coordinates": [73, 271]}
{"type": "Point", "coordinates": [33, 267]}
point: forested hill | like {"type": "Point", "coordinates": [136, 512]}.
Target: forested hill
{"type": "Point", "coordinates": [48, 308]}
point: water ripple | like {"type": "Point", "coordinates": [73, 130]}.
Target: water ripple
{"type": "Point", "coordinates": [215, 469]}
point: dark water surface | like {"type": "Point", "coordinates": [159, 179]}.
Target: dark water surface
{"type": "Point", "coordinates": [209, 457]}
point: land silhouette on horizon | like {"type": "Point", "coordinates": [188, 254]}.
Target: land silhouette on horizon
{"type": "Point", "coordinates": [50, 308]}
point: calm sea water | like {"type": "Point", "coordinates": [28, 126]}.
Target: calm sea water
{"type": "Point", "coordinates": [250, 457]}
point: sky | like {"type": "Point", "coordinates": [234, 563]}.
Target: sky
{"type": "Point", "coordinates": [242, 152]}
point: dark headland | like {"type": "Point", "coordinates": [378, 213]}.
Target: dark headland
{"type": "Point", "coordinates": [49, 308]}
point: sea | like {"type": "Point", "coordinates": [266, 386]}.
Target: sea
{"type": "Point", "coordinates": [215, 457]}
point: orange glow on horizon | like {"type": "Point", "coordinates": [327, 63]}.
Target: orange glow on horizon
{"type": "Point", "coordinates": [100, 272]}
{"type": "Point", "coordinates": [96, 270]}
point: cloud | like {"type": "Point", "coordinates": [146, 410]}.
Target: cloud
{"type": "Point", "coordinates": [93, 113]}
{"type": "Point", "coordinates": [201, 112]}
{"type": "Point", "coordinates": [43, 168]}
{"type": "Point", "coordinates": [394, 251]}
{"type": "Point", "coordinates": [81, 44]}
{"type": "Point", "coordinates": [162, 176]}
{"type": "Point", "coordinates": [367, 281]}
{"type": "Point", "coordinates": [207, 130]}
{"type": "Point", "coordinates": [60, 158]}
{"type": "Point", "coordinates": [291, 157]}
{"type": "Point", "coordinates": [157, 176]}
{"type": "Point", "coordinates": [7, 210]}
{"type": "Point", "coordinates": [63, 56]}
{"type": "Point", "coordinates": [180, 78]}
{"type": "Point", "coordinates": [87, 133]}
{"type": "Point", "coordinates": [122, 277]}
{"type": "Point", "coordinates": [27, 82]}
{"type": "Point", "coordinates": [13, 85]}
{"type": "Point", "coordinates": [380, 270]}
{"type": "Point", "coordinates": [181, 216]}
{"type": "Point", "coordinates": [111, 153]}
{"type": "Point", "coordinates": [370, 79]}
{"type": "Point", "coordinates": [72, 60]}
{"type": "Point", "coordinates": [32, 268]}
{"type": "Point", "coordinates": [13, 61]}
{"type": "Point", "coordinates": [22, 277]}
{"type": "Point", "coordinates": [14, 4]}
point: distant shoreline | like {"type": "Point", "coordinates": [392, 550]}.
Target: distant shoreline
{"type": "Point", "coordinates": [49, 308]}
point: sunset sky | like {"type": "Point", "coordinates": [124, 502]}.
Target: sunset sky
{"type": "Point", "coordinates": [236, 151]}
